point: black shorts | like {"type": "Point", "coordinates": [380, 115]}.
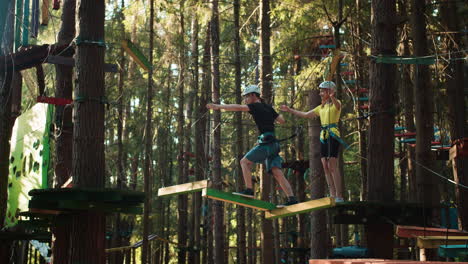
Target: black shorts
{"type": "Point", "coordinates": [329, 148]}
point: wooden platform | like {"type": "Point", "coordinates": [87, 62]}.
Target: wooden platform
{"type": "Point", "coordinates": [71, 200]}
{"type": "Point", "coordinates": [184, 188]}
{"type": "Point", "coordinates": [372, 261]}
{"type": "Point", "coordinates": [236, 199]}
{"type": "Point", "coordinates": [437, 241]}
{"type": "Point", "coordinates": [366, 212]}
{"type": "Point", "coordinates": [415, 231]}
{"type": "Point", "coordinates": [301, 208]}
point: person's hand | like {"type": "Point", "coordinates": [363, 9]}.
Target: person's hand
{"type": "Point", "coordinates": [212, 106]}
{"type": "Point", "coordinates": [285, 108]}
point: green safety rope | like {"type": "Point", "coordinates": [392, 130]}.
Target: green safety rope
{"type": "Point", "coordinates": [80, 41]}
{"type": "Point", "coordinates": [425, 60]}
{"type": "Point", "coordinates": [84, 98]}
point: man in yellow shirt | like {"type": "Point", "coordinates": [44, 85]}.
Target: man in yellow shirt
{"type": "Point", "coordinates": [329, 112]}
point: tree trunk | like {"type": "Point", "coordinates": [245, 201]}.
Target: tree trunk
{"type": "Point", "coordinates": [145, 253]}
{"type": "Point", "coordinates": [340, 230]}
{"type": "Point", "coordinates": [200, 131]}
{"type": "Point", "coordinates": [218, 207]}
{"type": "Point", "coordinates": [203, 143]}
{"type": "Point", "coordinates": [381, 138]}
{"type": "Point", "coordinates": [426, 184]}
{"type": "Point", "coordinates": [239, 145]}
{"type": "Point", "coordinates": [266, 79]}
{"type": "Point", "coordinates": [64, 127]}
{"type": "Point", "coordinates": [6, 119]}
{"type": "Point", "coordinates": [121, 224]}
{"type": "Point", "coordinates": [407, 99]}
{"type": "Point", "coordinates": [456, 102]}
{"type": "Point", "coordinates": [360, 68]}
{"type": "Point", "coordinates": [6, 125]}
{"type": "Point", "coordinates": [88, 229]}
{"type": "Point", "coordinates": [318, 219]}
{"type": "Point", "coordinates": [300, 182]}
{"type": "Point", "coordinates": [181, 199]}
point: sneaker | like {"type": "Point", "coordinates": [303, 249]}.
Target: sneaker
{"type": "Point", "coordinates": [245, 193]}
{"type": "Point", "coordinates": [339, 200]}
{"type": "Point", "coordinates": [290, 201]}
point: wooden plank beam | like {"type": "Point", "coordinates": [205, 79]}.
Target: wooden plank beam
{"type": "Point", "coordinates": [437, 241]}
{"type": "Point", "coordinates": [236, 199]}
{"type": "Point", "coordinates": [184, 188]}
{"type": "Point", "coordinates": [415, 231]}
{"type": "Point", "coordinates": [301, 208]}
{"type": "Point", "coordinates": [136, 54]}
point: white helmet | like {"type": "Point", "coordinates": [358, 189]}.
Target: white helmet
{"type": "Point", "coordinates": [327, 85]}
{"type": "Point", "coordinates": [251, 89]}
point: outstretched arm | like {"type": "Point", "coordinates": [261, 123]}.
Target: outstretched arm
{"type": "Point", "coordinates": [309, 114]}
{"type": "Point", "coordinates": [228, 107]}
{"type": "Point", "coordinates": [280, 119]}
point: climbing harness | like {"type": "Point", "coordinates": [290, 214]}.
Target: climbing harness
{"type": "Point", "coordinates": [327, 129]}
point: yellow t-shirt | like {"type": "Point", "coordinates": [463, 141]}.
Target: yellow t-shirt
{"type": "Point", "coordinates": [329, 114]}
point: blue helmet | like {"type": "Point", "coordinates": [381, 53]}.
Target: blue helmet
{"type": "Point", "coordinates": [251, 89]}
{"type": "Point", "coordinates": [327, 85]}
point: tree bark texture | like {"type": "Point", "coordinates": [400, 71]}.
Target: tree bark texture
{"type": "Point", "coordinates": [145, 250]}
{"type": "Point", "coordinates": [318, 219]}
{"type": "Point", "coordinates": [266, 87]}
{"type": "Point", "coordinates": [88, 229]}
{"type": "Point", "coordinates": [182, 178]}
{"type": "Point", "coordinates": [64, 128]}
{"type": "Point", "coordinates": [426, 183]}
{"type": "Point", "coordinates": [456, 102]}
{"type": "Point", "coordinates": [381, 122]}
{"type": "Point", "coordinates": [218, 207]}
{"type": "Point", "coordinates": [239, 146]}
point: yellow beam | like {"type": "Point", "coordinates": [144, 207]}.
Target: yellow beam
{"type": "Point", "coordinates": [108, 250]}
{"type": "Point", "coordinates": [184, 188]}
{"type": "Point", "coordinates": [301, 208]}
{"type": "Point", "coordinates": [436, 241]}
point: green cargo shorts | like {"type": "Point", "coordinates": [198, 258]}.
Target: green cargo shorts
{"type": "Point", "coordinates": [266, 153]}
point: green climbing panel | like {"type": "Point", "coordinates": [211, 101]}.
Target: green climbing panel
{"type": "Point", "coordinates": [29, 158]}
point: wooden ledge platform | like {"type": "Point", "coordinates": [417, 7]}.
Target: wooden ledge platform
{"type": "Point", "coordinates": [184, 188]}
{"type": "Point", "coordinates": [70, 200]}
{"type": "Point", "coordinates": [437, 241]}
{"type": "Point", "coordinates": [415, 231]}
{"type": "Point", "coordinates": [20, 235]}
{"type": "Point", "coordinates": [301, 208]}
{"type": "Point", "coordinates": [372, 261]}
{"type": "Point", "coordinates": [236, 199]}
{"type": "Point", "coordinates": [366, 212]}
